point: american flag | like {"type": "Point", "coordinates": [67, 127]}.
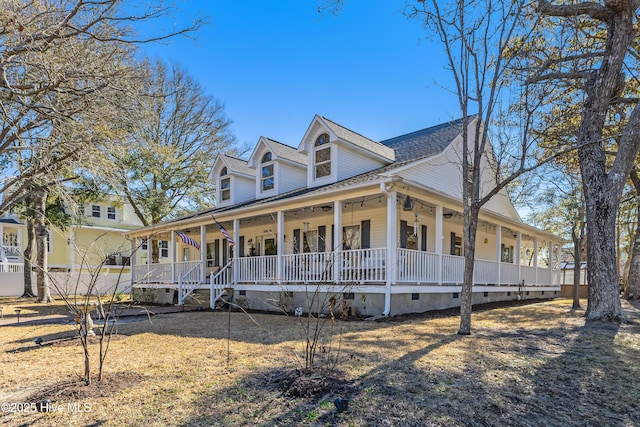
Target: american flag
{"type": "Point", "coordinates": [225, 233]}
{"type": "Point", "coordinates": [188, 240]}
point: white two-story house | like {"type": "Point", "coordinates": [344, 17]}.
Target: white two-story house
{"type": "Point", "coordinates": [376, 223]}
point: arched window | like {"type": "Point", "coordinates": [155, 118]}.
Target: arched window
{"type": "Point", "coordinates": [267, 172]}
{"type": "Point", "coordinates": [322, 156]}
{"type": "Point", "coordinates": [225, 184]}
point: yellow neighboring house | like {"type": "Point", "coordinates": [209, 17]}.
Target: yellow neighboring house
{"type": "Point", "coordinates": [96, 237]}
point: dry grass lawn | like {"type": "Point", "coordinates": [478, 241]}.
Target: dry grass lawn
{"type": "Point", "coordinates": [526, 365]}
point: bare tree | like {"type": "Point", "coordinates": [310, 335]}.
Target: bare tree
{"type": "Point", "coordinates": [596, 47]}
{"type": "Point", "coordinates": [164, 164]}
{"type": "Point", "coordinates": [480, 41]}
{"type": "Point", "coordinates": [61, 63]}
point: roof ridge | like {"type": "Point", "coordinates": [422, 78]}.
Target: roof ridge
{"type": "Point", "coordinates": [439, 126]}
{"type": "Point", "coordinates": [233, 157]}
{"type": "Point", "coordinates": [281, 143]}
{"type": "Point", "coordinates": [352, 131]}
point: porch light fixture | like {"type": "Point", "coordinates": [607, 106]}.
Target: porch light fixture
{"type": "Point", "coordinates": [408, 204]}
{"type": "Point", "coordinates": [327, 208]}
{"type": "Point", "coordinates": [447, 215]}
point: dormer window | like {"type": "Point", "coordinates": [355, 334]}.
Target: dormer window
{"type": "Point", "coordinates": [225, 185]}
{"type": "Point", "coordinates": [267, 172]}
{"type": "Point", "coordinates": [322, 156]}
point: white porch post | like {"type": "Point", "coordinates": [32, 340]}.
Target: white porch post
{"type": "Point", "coordinates": [556, 281]}
{"type": "Point", "coordinates": [72, 246]}
{"type": "Point", "coordinates": [149, 251]}
{"type": "Point", "coordinates": [519, 252]}
{"type": "Point", "coordinates": [392, 237]}
{"type": "Point", "coordinates": [174, 255]}
{"type": "Point", "coordinates": [203, 253]}
{"type": "Point", "coordinates": [552, 255]}
{"type": "Point", "coordinates": [439, 239]}
{"type": "Point", "coordinates": [337, 239]}
{"type": "Point", "coordinates": [280, 248]}
{"type": "Point", "coordinates": [535, 258]}
{"type": "Point", "coordinates": [236, 250]}
{"type": "Point", "coordinates": [499, 249]}
{"type": "Point", "coordinates": [132, 259]}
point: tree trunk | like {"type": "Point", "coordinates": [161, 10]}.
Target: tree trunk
{"type": "Point", "coordinates": [602, 272]}
{"type": "Point", "coordinates": [42, 234]}
{"type": "Point", "coordinates": [26, 258]}
{"type": "Point", "coordinates": [466, 295]}
{"type": "Point", "coordinates": [633, 283]}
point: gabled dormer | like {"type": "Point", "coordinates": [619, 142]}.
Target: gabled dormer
{"type": "Point", "coordinates": [279, 168]}
{"type": "Point", "coordinates": [335, 153]}
{"type": "Point", "coordinates": [235, 181]}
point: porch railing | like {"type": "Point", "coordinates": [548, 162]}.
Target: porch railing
{"type": "Point", "coordinates": [309, 267]}
{"type": "Point", "coordinates": [485, 272]}
{"type": "Point", "coordinates": [452, 269]}
{"type": "Point", "coordinates": [11, 267]}
{"type": "Point", "coordinates": [417, 266]}
{"type": "Point", "coordinates": [528, 274]}
{"type": "Point", "coordinates": [257, 269]}
{"type": "Point", "coordinates": [11, 251]}
{"type": "Point", "coordinates": [219, 282]}
{"type": "Point", "coordinates": [189, 271]}
{"type": "Point", "coordinates": [154, 273]}
{"type": "Point", "coordinates": [363, 265]}
{"type": "Point", "coordinates": [188, 280]}
{"type": "Point", "coordinates": [354, 266]}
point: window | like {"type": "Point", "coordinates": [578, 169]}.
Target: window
{"type": "Point", "coordinates": [96, 211]}
{"type": "Point", "coordinates": [144, 245]}
{"type": "Point", "coordinates": [322, 155]}
{"type": "Point", "coordinates": [351, 237]}
{"type": "Point", "coordinates": [111, 212]}
{"type": "Point", "coordinates": [310, 241]}
{"type": "Point", "coordinates": [225, 185]}
{"type": "Point", "coordinates": [267, 172]}
{"type": "Point", "coordinates": [507, 254]}
{"type": "Point", "coordinates": [164, 248]}
{"type": "Point", "coordinates": [456, 245]}
{"type": "Point", "coordinates": [185, 254]}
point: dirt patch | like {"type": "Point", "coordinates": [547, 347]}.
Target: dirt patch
{"type": "Point", "coordinates": [311, 383]}
{"type": "Point", "coordinates": [77, 390]}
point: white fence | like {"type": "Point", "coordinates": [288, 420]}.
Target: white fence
{"type": "Point", "coordinates": [12, 284]}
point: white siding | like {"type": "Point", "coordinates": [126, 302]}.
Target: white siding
{"type": "Point", "coordinates": [242, 189]}
{"type": "Point", "coordinates": [351, 163]}
{"type": "Point", "coordinates": [290, 177]}
{"type": "Point", "coordinates": [443, 174]}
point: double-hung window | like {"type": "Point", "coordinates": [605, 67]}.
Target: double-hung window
{"type": "Point", "coordinates": [267, 172]}
{"type": "Point", "coordinates": [225, 185]}
{"type": "Point", "coordinates": [322, 156]}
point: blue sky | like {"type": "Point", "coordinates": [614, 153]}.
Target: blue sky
{"type": "Point", "coordinates": [274, 64]}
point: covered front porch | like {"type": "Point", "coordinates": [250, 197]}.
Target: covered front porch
{"type": "Point", "coordinates": [401, 239]}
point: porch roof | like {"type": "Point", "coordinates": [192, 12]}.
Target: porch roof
{"type": "Point", "coordinates": [9, 221]}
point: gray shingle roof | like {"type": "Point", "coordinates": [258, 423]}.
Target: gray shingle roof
{"type": "Point", "coordinates": [287, 152]}
{"type": "Point", "coordinates": [359, 140]}
{"type": "Point", "coordinates": [408, 148]}
{"type": "Point", "coordinates": [238, 165]}
{"type": "Point", "coordinates": [425, 142]}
